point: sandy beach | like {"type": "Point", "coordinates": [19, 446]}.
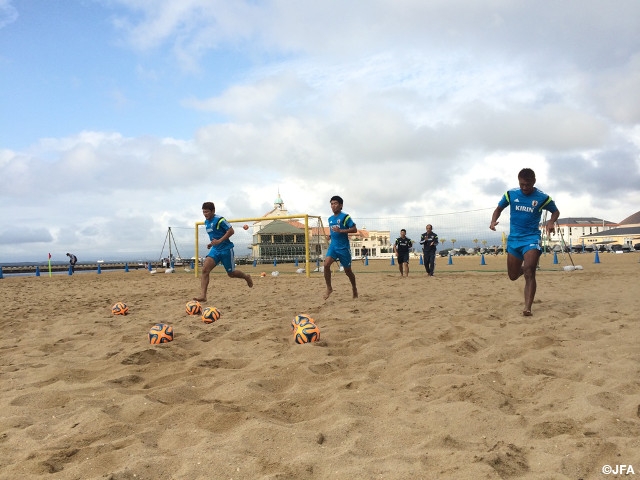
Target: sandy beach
{"type": "Point", "coordinates": [418, 378]}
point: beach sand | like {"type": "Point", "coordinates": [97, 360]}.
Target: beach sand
{"type": "Point", "coordinates": [418, 378]}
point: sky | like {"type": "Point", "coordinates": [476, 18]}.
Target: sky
{"type": "Point", "coordinates": [119, 118]}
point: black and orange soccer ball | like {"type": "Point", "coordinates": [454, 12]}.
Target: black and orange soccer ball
{"type": "Point", "coordinates": [120, 309]}
{"type": "Point", "coordinates": [306, 332]}
{"type": "Point", "coordinates": [160, 333]}
{"type": "Point", "coordinates": [210, 315]}
{"type": "Point", "coordinates": [298, 319]}
{"type": "Point", "coordinates": [193, 307]}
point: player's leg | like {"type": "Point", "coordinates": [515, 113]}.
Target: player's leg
{"type": "Point", "coordinates": [229, 262]}
{"type": "Point", "coordinates": [515, 257]}
{"type": "Point", "coordinates": [352, 279]}
{"type": "Point", "coordinates": [328, 261]}
{"type": "Point", "coordinates": [529, 271]}
{"type": "Point", "coordinates": [432, 263]}
{"type": "Point", "coordinates": [345, 260]}
{"type": "Point", "coordinates": [209, 264]}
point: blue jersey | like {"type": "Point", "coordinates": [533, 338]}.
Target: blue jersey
{"type": "Point", "coordinates": [344, 221]}
{"type": "Point", "coordinates": [526, 211]}
{"type": "Point", "coordinates": [216, 228]}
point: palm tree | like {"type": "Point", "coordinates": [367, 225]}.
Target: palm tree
{"type": "Point", "coordinates": [475, 241]}
{"type": "Point", "coordinates": [453, 242]}
{"type": "Point", "coordinates": [442, 240]}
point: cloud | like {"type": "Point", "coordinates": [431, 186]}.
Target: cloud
{"type": "Point", "coordinates": [8, 13]}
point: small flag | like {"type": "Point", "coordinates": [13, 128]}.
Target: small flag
{"type": "Point", "coordinates": [49, 256]}
{"type": "Point", "coordinates": [49, 264]}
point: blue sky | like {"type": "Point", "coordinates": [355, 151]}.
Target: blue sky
{"type": "Point", "coordinates": [120, 117]}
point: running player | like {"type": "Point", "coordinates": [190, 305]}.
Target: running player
{"type": "Point", "coordinates": [340, 226]}
{"type": "Point", "coordinates": [401, 249]}
{"type": "Point", "coordinates": [221, 249]}
{"type": "Point", "coordinates": [523, 245]}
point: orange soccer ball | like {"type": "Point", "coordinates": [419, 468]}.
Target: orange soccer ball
{"type": "Point", "coordinates": [120, 308]}
{"type": "Point", "coordinates": [160, 333]}
{"type": "Point", "coordinates": [306, 331]}
{"type": "Point", "coordinates": [193, 307]}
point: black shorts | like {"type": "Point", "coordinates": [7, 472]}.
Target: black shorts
{"type": "Point", "coordinates": [403, 257]}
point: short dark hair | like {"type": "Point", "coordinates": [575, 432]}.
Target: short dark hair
{"type": "Point", "coordinates": [403, 230]}
{"type": "Point", "coordinates": [337, 198]}
{"type": "Point", "coordinates": [527, 174]}
{"type": "Point", "coordinates": [209, 206]}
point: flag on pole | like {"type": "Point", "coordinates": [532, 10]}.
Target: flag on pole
{"type": "Point", "coordinates": [49, 264]}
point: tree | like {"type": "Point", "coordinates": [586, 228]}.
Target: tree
{"type": "Point", "coordinates": [453, 242]}
{"type": "Point", "coordinates": [475, 241]}
{"type": "Point", "coordinates": [442, 240]}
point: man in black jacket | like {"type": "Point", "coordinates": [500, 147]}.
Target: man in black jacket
{"type": "Point", "coordinates": [429, 241]}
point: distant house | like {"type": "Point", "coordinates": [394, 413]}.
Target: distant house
{"type": "Point", "coordinates": [571, 230]}
{"type": "Point", "coordinates": [626, 233]}
{"type": "Point", "coordinates": [284, 239]}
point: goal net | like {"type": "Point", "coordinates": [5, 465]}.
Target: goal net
{"type": "Point", "coordinates": [295, 239]}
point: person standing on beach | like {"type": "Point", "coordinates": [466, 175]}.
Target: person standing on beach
{"type": "Point", "coordinates": [72, 261]}
{"type": "Point", "coordinates": [220, 249]}
{"type": "Point", "coordinates": [523, 244]}
{"type": "Point", "coordinates": [429, 242]}
{"type": "Point", "coordinates": [364, 252]}
{"type": "Point", "coordinates": [340, 225]}
{"type": "Point", "coordinates": [401, 249]}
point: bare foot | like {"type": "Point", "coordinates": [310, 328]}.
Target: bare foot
{"type": "Point", "coordinates": [526, 313]}
{"type": "Point", "coordinates": [327, 293]}
{"type": "Point", "coordinates": [249, 281]}
{"type": "Point", "coordinates": [200, 299]}
{"type": "Point", "coordinates": [355, 293]}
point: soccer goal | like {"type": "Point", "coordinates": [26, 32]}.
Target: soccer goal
{"type": "Point", "coordinates": [274, 239]}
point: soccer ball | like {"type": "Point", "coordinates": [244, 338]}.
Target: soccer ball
{"type": "Point", "coordinates": [300, 319]}
{"type": "Point", "coordinates": [160, 333]}
{"type": "Point", "coordinates": [306, 332]}
{"type": "Point", "coordinates": [210, 314]}
{"type": "Point", "coordinates": [120, 309]}
{"type": "Point", "coordinates": [245, 226]}
{"type": "Point", "coordinates": [193, 308]}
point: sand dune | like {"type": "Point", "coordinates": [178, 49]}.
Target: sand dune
{"type": "Point", "coordinates": [418, 378]}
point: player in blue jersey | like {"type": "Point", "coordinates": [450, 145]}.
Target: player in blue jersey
{"type": "Point", "coordinates": [340, 226]}
{"type": "Point", "coordinates": [523, 245]}
{"type": "Point", "coordinates": [221, 249]}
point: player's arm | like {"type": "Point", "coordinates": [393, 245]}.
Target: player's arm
{"type": "Point", "coordinates": [224, 237]}
{"type": "Point", "coordinates": [551, 224]}
{"type": "Point", "coordinates": [495, 216]}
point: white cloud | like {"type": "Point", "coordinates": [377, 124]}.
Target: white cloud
{"type": "Point", "coordinates": [403, 108]}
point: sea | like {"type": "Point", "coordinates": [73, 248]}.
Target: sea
{"type": "Point", "coordinates": [26, 269]}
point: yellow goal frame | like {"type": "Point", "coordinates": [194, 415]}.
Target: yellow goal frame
{"type": "Point", "coordinates": [261, 219]}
